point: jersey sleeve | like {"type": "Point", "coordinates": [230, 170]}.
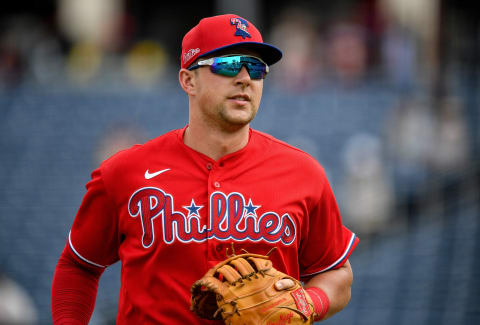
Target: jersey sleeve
{"type": "Point", "coordinates": [328, 243]}
{"type": "Point", "coordinates": [94, 235]}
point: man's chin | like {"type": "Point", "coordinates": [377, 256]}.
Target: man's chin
{"type": "Point", "coordinates": [238, 120]}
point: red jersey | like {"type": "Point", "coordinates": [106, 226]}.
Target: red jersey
{"type": "Point", "coordinates": [169, 213]}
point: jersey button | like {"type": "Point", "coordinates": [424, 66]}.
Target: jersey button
{"type": "Point", "coordinates": [216, 184]}
{"type": "Point", "coordinates": [209, 166]}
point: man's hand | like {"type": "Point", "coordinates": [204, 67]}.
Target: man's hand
{"type": "Point", "coordinates": [284, 284]}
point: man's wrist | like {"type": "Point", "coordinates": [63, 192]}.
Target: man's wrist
{"type": "Point", "coordinates": [321, 302]}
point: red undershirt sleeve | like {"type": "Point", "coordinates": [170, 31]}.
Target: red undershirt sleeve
{"type": "Point", "coordinates": [74, 290]}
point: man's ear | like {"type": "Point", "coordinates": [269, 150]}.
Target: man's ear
{"type": "Point", "coordinates": [187, 81]}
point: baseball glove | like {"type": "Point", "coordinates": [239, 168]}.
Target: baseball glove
{"type": "Point", "coordinates": [240, 290]}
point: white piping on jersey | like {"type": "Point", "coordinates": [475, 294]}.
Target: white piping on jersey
{"type": "Point", "coordinates": [349, 247]}
{"type": "Point", "coordinates": [78, 254]}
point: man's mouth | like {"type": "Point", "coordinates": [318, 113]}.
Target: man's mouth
{"type": "Point", "coordinates": [241, 97]}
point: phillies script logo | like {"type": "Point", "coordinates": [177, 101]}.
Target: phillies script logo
{"type": "Point", "coordinates": [229, 218]}
{"type": "Point", "coordinates": [190, 54]}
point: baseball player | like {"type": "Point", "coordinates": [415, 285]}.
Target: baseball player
{"type": "Point", "coordinates": [170, 209]}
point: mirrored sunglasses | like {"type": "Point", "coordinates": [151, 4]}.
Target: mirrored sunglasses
{"type": "Point", "coordinates": [231, 65]}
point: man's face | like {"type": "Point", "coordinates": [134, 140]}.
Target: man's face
{"type": "Point", "coordinates": [227, 102]}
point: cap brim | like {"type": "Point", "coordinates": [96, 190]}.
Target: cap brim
{"type": "Point", "coordinates": [268, 53]}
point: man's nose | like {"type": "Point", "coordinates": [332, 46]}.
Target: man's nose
{"type": "Point", "coordinates": [243, 76]}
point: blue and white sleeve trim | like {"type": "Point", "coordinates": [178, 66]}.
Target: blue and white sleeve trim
{"type": "Point", "coordinates": [80, 256]}
{"type": "Point", "coordinates": [338, 261]}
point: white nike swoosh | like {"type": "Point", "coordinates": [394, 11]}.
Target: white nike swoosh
{"type": "Point", "coordinates": [152, 175]}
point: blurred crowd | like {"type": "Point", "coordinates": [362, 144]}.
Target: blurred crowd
{"type": "Point", "coordinates": [91, 43]}
{"type": "Point", "coordinates": [81, 43]}
{"type": "Point", "coordinates": [422, 161]}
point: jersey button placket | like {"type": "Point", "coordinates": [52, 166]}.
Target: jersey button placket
{"type": "Point", "coordinates": [216, 184]}
{"type": "Point", "coordinates": [213, 247]}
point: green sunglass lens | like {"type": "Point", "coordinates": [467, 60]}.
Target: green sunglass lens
{"type": "Point", "coordinates": [228, 68]}
{"type": "Point", "coordinates": [231, 66]}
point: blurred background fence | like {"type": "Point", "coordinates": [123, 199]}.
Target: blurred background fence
{"type": "Point", "coordinates": [384, 93]}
